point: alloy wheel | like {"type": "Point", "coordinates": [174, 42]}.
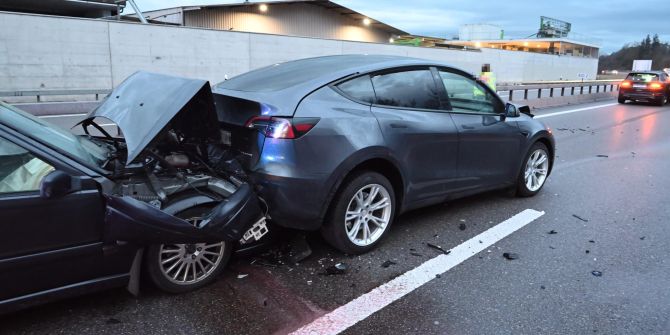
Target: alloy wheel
{"type": "Point", "coordinates": [184, 264]}
{"type": "Point", "coordinates": [537, 168]}
{"type": "Point", "coordinates": [368, 214]}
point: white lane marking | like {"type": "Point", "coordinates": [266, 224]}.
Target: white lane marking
{"type": "Point", "coordinates": [61, 115]}
{"type": "Point", "coordinates": [574, 110]}
{"type": "Point", "coordinates": [362, 307]}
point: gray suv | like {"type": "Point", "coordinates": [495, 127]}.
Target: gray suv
{"type": "Point", "coordinates": [346, 143]}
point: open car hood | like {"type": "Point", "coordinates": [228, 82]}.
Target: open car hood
{"type": "Point", "coordinates": [146, 104]}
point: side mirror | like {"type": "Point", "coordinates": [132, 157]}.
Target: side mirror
{"type": "Point", "coordinates": [511, 110]}
{"type": "Point", "coordinates": [56, 184]}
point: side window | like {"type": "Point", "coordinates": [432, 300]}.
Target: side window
{"type": "Point", "coordinates": [20, 171]}
{"type": "Point", "coordinates": [359, 88]}
{"type": "Point", "coordinates": [411, 89]}
{"type": "Point", "coordinates": [467, 95]}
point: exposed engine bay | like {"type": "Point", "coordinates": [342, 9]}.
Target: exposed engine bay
{"type": "Point", "coordinates": [172, 157]}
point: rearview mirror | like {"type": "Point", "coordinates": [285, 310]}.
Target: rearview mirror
{"type": "Point", "coordinates": [511, 110]}
{"type": "Point", "coordinates": [56, 184]}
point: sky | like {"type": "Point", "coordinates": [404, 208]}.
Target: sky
{"type": "Point", "coordinates": [612, 22]}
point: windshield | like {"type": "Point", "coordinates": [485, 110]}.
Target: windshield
{"type": "Point", "coordinates": [642, 77]}
{"type": "Point", "coordinates": [77, 147]}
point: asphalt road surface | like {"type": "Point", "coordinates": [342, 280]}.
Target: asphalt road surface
{"type": "Point", "coordinates": [592, 259]}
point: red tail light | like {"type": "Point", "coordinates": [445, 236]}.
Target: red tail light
{"type": "Point", "coordinates": [278, 127]}
{"type": "Point", "coordinates": [626, 84]}
{"type": "Point", "coordinates": [655, 86]}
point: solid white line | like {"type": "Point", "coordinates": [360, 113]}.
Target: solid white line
{"type": "Point", "coordinates": [574, 110]}
{"type": "Point", "coordinates": [362, 307]}
{"type": "Point", "coordinates": [61, 115]}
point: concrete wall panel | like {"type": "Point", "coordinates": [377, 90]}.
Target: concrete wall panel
{"type": "Point", "coordinates": [43, 52]}
{"type": "Point", "coordinates": [40, 52]}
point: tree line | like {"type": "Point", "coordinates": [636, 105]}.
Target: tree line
{"type": "Point", "coordinates": [649, 48]}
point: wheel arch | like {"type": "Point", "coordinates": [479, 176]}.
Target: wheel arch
{"type": "Point", "coordinates": [383, 164]}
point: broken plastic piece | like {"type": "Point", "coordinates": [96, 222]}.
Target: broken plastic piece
{"type": "Point", "coordinates": [596, 273]}
{"type": "Point", "coordinates": [437, 247]}
{"type": "Point", "coordinates": [337, 269]}
{"type": "Point", "coordinates": [602, 156]}
{"type": "Point", "coordinates": [580, 218]}
{"type": "Point", "coordinates": [242, 276]}
{"type": "Point", "coordinates": [256, 232]}
{"type": "Point", "coordinates": [510, 256]}
{"type": "Point", "coordinates": [388, 263]}
{"type": "Point", "coordinates": [551, 232]}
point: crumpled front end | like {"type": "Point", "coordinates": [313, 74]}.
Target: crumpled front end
{"type": "Point", "coordinates": [129, 219]}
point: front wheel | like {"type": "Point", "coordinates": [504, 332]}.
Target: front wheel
{"type": "Point", "coordinates": [361, 215]}
{"type": "Point", "coordinates": [534, 171]}
{"type": "Point", "coordinates": [178, 268]}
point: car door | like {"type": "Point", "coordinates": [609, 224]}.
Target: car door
{"type": "Point", "coordinates": [423, 136]}
{"type": "Point", "coordinates": [44, 243]}
{"type": "Point", "coordinates": [489, 144]}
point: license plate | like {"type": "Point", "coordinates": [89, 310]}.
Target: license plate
{"type": "Point", "coordinates": [639, 86]}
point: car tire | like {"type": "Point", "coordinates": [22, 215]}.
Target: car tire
{"type": "Point", "coordinates": [534, 171]}
{"type": "Point", "coordinates": [621, 99]}
{"type": "Point", "coordinates": [179, 268]}
{"type": "Point", "coordinates": [354, 225]}
{"type": "Point", "coordinates": [661, 101]}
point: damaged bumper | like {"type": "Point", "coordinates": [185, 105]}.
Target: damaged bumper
{"type": "Point", "coordinates": [131, 220]}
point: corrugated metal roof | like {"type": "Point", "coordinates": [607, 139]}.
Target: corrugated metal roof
{"type": "Point", "coordinates": [322, 3]}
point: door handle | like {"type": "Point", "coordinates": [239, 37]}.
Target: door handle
{"type": "Point", "coordinates": [398, 125]}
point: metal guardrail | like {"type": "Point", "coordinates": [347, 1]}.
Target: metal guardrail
{"type": "Point", "coordinates": [41, 93]}
{"type": "Point", "coordinates": [555, 88]}
{"type": "Point", "coordinates": [559, 88]}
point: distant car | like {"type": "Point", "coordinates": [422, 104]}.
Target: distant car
{"type": "Point", "coordinates": [648, 86]}
{"type": "Point", "coordinates": [82, 213]}
{"type": "Point", "coordinates": [346, 143]}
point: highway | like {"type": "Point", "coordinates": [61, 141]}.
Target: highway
{"type": "Point", "coordinates": [591, 257]}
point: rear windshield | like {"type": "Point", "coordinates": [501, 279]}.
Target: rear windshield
{"type": "Point", "coordinates": [642, 77]}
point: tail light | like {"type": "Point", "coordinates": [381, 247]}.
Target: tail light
{"type": "Point", "coordinates": [626, 84]}
{"type": "Point", "coordinates": [655, 86]}
{"type": "Point", "coordinates": [279, 127]}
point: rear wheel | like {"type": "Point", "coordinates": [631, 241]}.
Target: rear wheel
{"type": "Point", "coordinates": [361, 214]}
{"type": "Point", "coordinates": [534, 171]}
{"type": "Point", "coordinates": [178, 268]}
{"type": "Point", "coordinates": [661, 101]}
{"type": "Point", "coordinates": [621, 99]}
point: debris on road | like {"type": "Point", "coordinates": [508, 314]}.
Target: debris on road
{"type": "Point", "coordinates": [416, 254]}
{"type": "Point", "coordinates": [388, 263]}
{"type": "Point", "coordinates": [337, 269]}
{"type": "Point", "coordinates": [242, 276]}
{"type": "Point", "coordinates": [551, 232]}
{"type": "Point", "coordinates": [299, 249]}
{"type": "Point", "coordinates": [587, 251]}
{"type": "Point", "coordinates": [542, 287]}
{"type": "Point", "coordinates": [592, 241]}
{"type": "Point", "coordinates": [596, 273]}
{"type": "Point", "coordinates": [510, 256]}
{"type": "Point", "coordinates": [438, 276]}
{"type": "Point", "coordinates": [437, 247]}
{"type": "Point", "coordinates": [602, 156]}
{"type": "Point", "coordinates": [462, 226]}
{"type": "Point", "coordinates": [580, 218]}
{"type": "Point", "coordinates": [642, 238]}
